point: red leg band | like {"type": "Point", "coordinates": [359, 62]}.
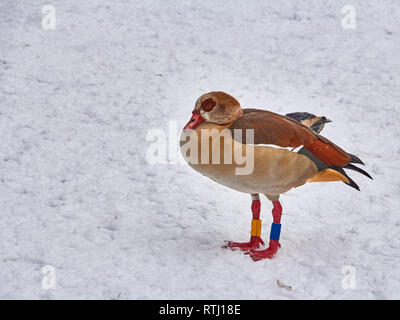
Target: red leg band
{"type": "Point", "coordinates": [277, 212]}
{"type": "Point", "coordinates": [256, 209]}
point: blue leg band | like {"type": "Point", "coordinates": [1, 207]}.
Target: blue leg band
{"type": "Point", "coordinates": [275, 231]}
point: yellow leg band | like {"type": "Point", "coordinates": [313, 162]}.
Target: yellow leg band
{"type": "Point", "coordinates": [255, 227]}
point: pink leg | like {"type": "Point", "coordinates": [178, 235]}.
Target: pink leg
{"type": "Point", "coordinates": [274, 244]}
{"type": "Point", "coordinates": [255, 240]}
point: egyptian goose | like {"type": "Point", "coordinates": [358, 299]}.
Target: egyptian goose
{"type": "Point", "coordinates": [286, 152]}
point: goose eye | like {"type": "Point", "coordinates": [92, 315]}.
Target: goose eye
{"type": "Point", "coordinates": [208, 104]}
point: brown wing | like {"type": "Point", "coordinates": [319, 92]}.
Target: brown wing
{"type": "Point", "coordinates": [272, 128]}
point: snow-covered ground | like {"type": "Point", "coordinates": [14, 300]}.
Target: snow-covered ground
{"type": "Point", "coordinates": [77, 192]}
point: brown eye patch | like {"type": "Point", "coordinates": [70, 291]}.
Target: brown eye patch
{"type": "Point", "coordinates": [208, 104]}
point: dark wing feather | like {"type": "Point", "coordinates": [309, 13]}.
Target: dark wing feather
{"type": "Point", "coordinates": [310, 120]}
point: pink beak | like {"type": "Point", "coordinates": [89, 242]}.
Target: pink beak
{"type": "Point", "coordinates": [195, 120]}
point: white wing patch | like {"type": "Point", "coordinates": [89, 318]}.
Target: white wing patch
{"type": "Point", "coordinates": [297, 149]}
{"type": "Point", "coordinates": [279, 147]}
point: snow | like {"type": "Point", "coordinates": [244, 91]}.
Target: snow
{"type": "Point", "coordinates": [78, 194]}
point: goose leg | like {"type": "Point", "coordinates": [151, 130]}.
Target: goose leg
{"type": "Point", "coordinates": [274, 244]}
{"type": "Point", "coordinates": [255, 239]}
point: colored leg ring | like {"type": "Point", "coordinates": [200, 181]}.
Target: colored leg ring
{"type": "Point", "coordinates": [275, 231]}
{"type": "Point", "coordinates": [255, 227]}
